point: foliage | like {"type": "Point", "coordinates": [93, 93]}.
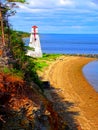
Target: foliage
{"type": "Point", "coordinates": [22, 34]}
{"type": "Point", "coordinates": [51, 56]}
{"type": "Point", "coordinates": [41, 63]}
{"type": "Point", "coordinates": [29, 48]}
{"type": "Point", "coordinates": [22, 1]}
{"type": "Point", "coordinates": [23, 63]}
{"type": "Point", "coordinates": [6, 70]}
{"type": "Point", "coordinates": [7, 10]}
{"type": "Point", "coordinates": [13, 72]}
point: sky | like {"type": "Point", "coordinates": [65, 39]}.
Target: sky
{"type": "Point", "coordinates": [57, 16]}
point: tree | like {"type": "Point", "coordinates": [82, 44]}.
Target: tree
{"type": "Point", "coordinates": [2, 28]}
{"type": "Point", "coordinates": [4, 9]}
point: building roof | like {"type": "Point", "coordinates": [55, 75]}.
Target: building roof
{"type": "Point", "coordinates": [34, 26]}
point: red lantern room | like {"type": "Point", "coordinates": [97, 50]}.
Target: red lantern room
{"type": "Point", "coordinates": [34, 26]}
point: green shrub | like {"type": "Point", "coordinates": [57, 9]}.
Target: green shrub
{"type": "Point", "coordinates": [24, 63]}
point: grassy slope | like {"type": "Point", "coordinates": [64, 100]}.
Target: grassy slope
{"type": "Point", "coordinates": [45, 61]}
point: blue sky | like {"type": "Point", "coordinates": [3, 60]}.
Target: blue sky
{"type": "Point", "coordinates": [58, 16]}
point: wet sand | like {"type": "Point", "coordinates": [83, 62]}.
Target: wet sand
{"type": "Point", "coordinates": [66, 75]}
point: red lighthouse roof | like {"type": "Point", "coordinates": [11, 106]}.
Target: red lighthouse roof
{"type": "Point", "coordinates": [34, 26]}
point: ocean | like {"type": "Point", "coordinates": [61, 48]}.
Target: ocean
{"type": "Point", "coordinates": [73, 44]}
{"type": "Point", "coordinates": [69, 43]}
{"type": "Point", "coordinates": [90, 72]}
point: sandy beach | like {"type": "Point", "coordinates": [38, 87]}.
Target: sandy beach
{"type": "Point", "coordinates": [73, 97]}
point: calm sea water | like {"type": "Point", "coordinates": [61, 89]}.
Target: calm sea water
{"type": "Point", "coordinates": [73, 44]}
{"type": "Point", "coordinates": [69, 43]}
{"type": "Point", "coordinates": [91, 73]}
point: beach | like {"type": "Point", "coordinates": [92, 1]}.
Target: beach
{"type": "Point", "coordinates": [74, 99]}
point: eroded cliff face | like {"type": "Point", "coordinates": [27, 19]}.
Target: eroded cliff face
{"type": "Point", "coordinates": [17, 103]}
{"type": "Point", "coordinates": [23, 107]}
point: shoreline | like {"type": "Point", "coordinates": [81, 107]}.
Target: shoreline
{"type": "Point", "coordinates": [66, 74]}
{"type": "Point", "coordinates": [90, 73]}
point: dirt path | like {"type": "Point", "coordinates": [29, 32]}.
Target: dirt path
{"type": "Point", "coordinates": [73, 97]}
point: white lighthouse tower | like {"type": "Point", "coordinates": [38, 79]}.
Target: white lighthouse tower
{"type": "Point", "coordinates": [34, 44]}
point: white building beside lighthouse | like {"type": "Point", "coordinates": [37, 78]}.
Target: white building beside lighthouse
{"type": "Point", "coordinates": [34, 44]}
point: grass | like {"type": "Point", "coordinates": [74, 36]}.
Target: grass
{"type": "Point", "coordinates": [43, 62]}
{"type": "Point", "coordinates": [13, 72]}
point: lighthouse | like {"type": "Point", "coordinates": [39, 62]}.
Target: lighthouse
{"type": "Point", "coordinates": [34, 44]}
